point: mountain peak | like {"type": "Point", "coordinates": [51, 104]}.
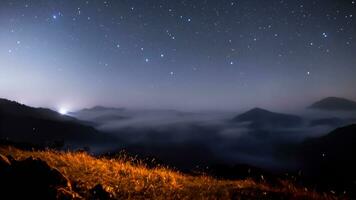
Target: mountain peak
{"type": "Point", "coordinates": [261, 118]}
{"type": "Point", "coordinates": [102, 108]}
{"type": "Point", "coordinates": [334, 104]}
{"type": "Point", "coordinates": [258, 110]}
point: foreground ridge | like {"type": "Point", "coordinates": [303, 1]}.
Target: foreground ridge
{"type": "Point", "coordinates": [102, 178]}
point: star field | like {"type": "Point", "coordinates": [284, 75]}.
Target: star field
{"type": "Point", "coordinates": [204, 54]}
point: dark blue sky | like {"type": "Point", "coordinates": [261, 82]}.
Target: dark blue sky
{"type": "Point", "coordinates": [201, 54]}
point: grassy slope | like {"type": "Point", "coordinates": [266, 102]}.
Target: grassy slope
{"type": "Point", "coordinates": [125, 180]}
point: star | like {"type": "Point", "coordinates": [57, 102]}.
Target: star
{"type": "Point", "coordinates": [192, 41]}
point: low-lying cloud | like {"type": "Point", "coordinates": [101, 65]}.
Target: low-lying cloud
{"type": "Point", "coordinates": [189, 139]}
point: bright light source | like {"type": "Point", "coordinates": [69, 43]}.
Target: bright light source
{"type": "Point", "coordinates": [63, 111]}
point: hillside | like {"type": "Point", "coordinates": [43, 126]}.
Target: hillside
{"type": "Point", "coordinates": [121, 179]}
{"type": "Point", "coordinates": [21, 123]}
{"type": "Point", "coordinates": [331, 159]}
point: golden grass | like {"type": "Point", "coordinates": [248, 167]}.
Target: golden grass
{"type": "Point", "coordinates": [125, 180]}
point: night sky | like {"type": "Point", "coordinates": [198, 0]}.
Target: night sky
{"type": "Point", "coordinates": [201, 54]}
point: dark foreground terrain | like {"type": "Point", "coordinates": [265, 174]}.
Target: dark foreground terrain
{"type": "Point", "coordinates": [77, 175]}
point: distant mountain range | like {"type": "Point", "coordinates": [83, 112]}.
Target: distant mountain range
{"type": "Point", "coordinates": [21, 123]}
{"type": "Point", "coordinates": [334, 104]}
{"type": "Point", "coordinates": [101, 109]}
{"type": "Point", "coordinates": [99, 115]}
{"type": "Point", "coordinates": [260, 119]}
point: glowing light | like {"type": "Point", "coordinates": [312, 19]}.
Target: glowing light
{"type": "Point", "coordinates": [63, 111]}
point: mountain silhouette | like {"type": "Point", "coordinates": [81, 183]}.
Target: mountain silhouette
{"type": "Point", "coordinates": [21, 123]}
{"type": "Point", "coordinates": [15, 109]}
{"type": "Point", "coordinates": [334, 104]}
{"type": "Point", "coordinates": [102, 109]}
{"type": "Point", "coordinates": [261, 119]}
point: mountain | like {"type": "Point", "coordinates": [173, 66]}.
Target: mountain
{"type": "Point", "coordinates": [261, 119]}
{"type": "Point", "coordinates": [99, 115]}
{"type": "Point", "coordinates": [331, 158]}
{"type": "Point", "coordinates": [102, 109]}
{"type": "Point", "coordinates": [21, 123]}
{"type": "Point", "coordinates": [334, 104]}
